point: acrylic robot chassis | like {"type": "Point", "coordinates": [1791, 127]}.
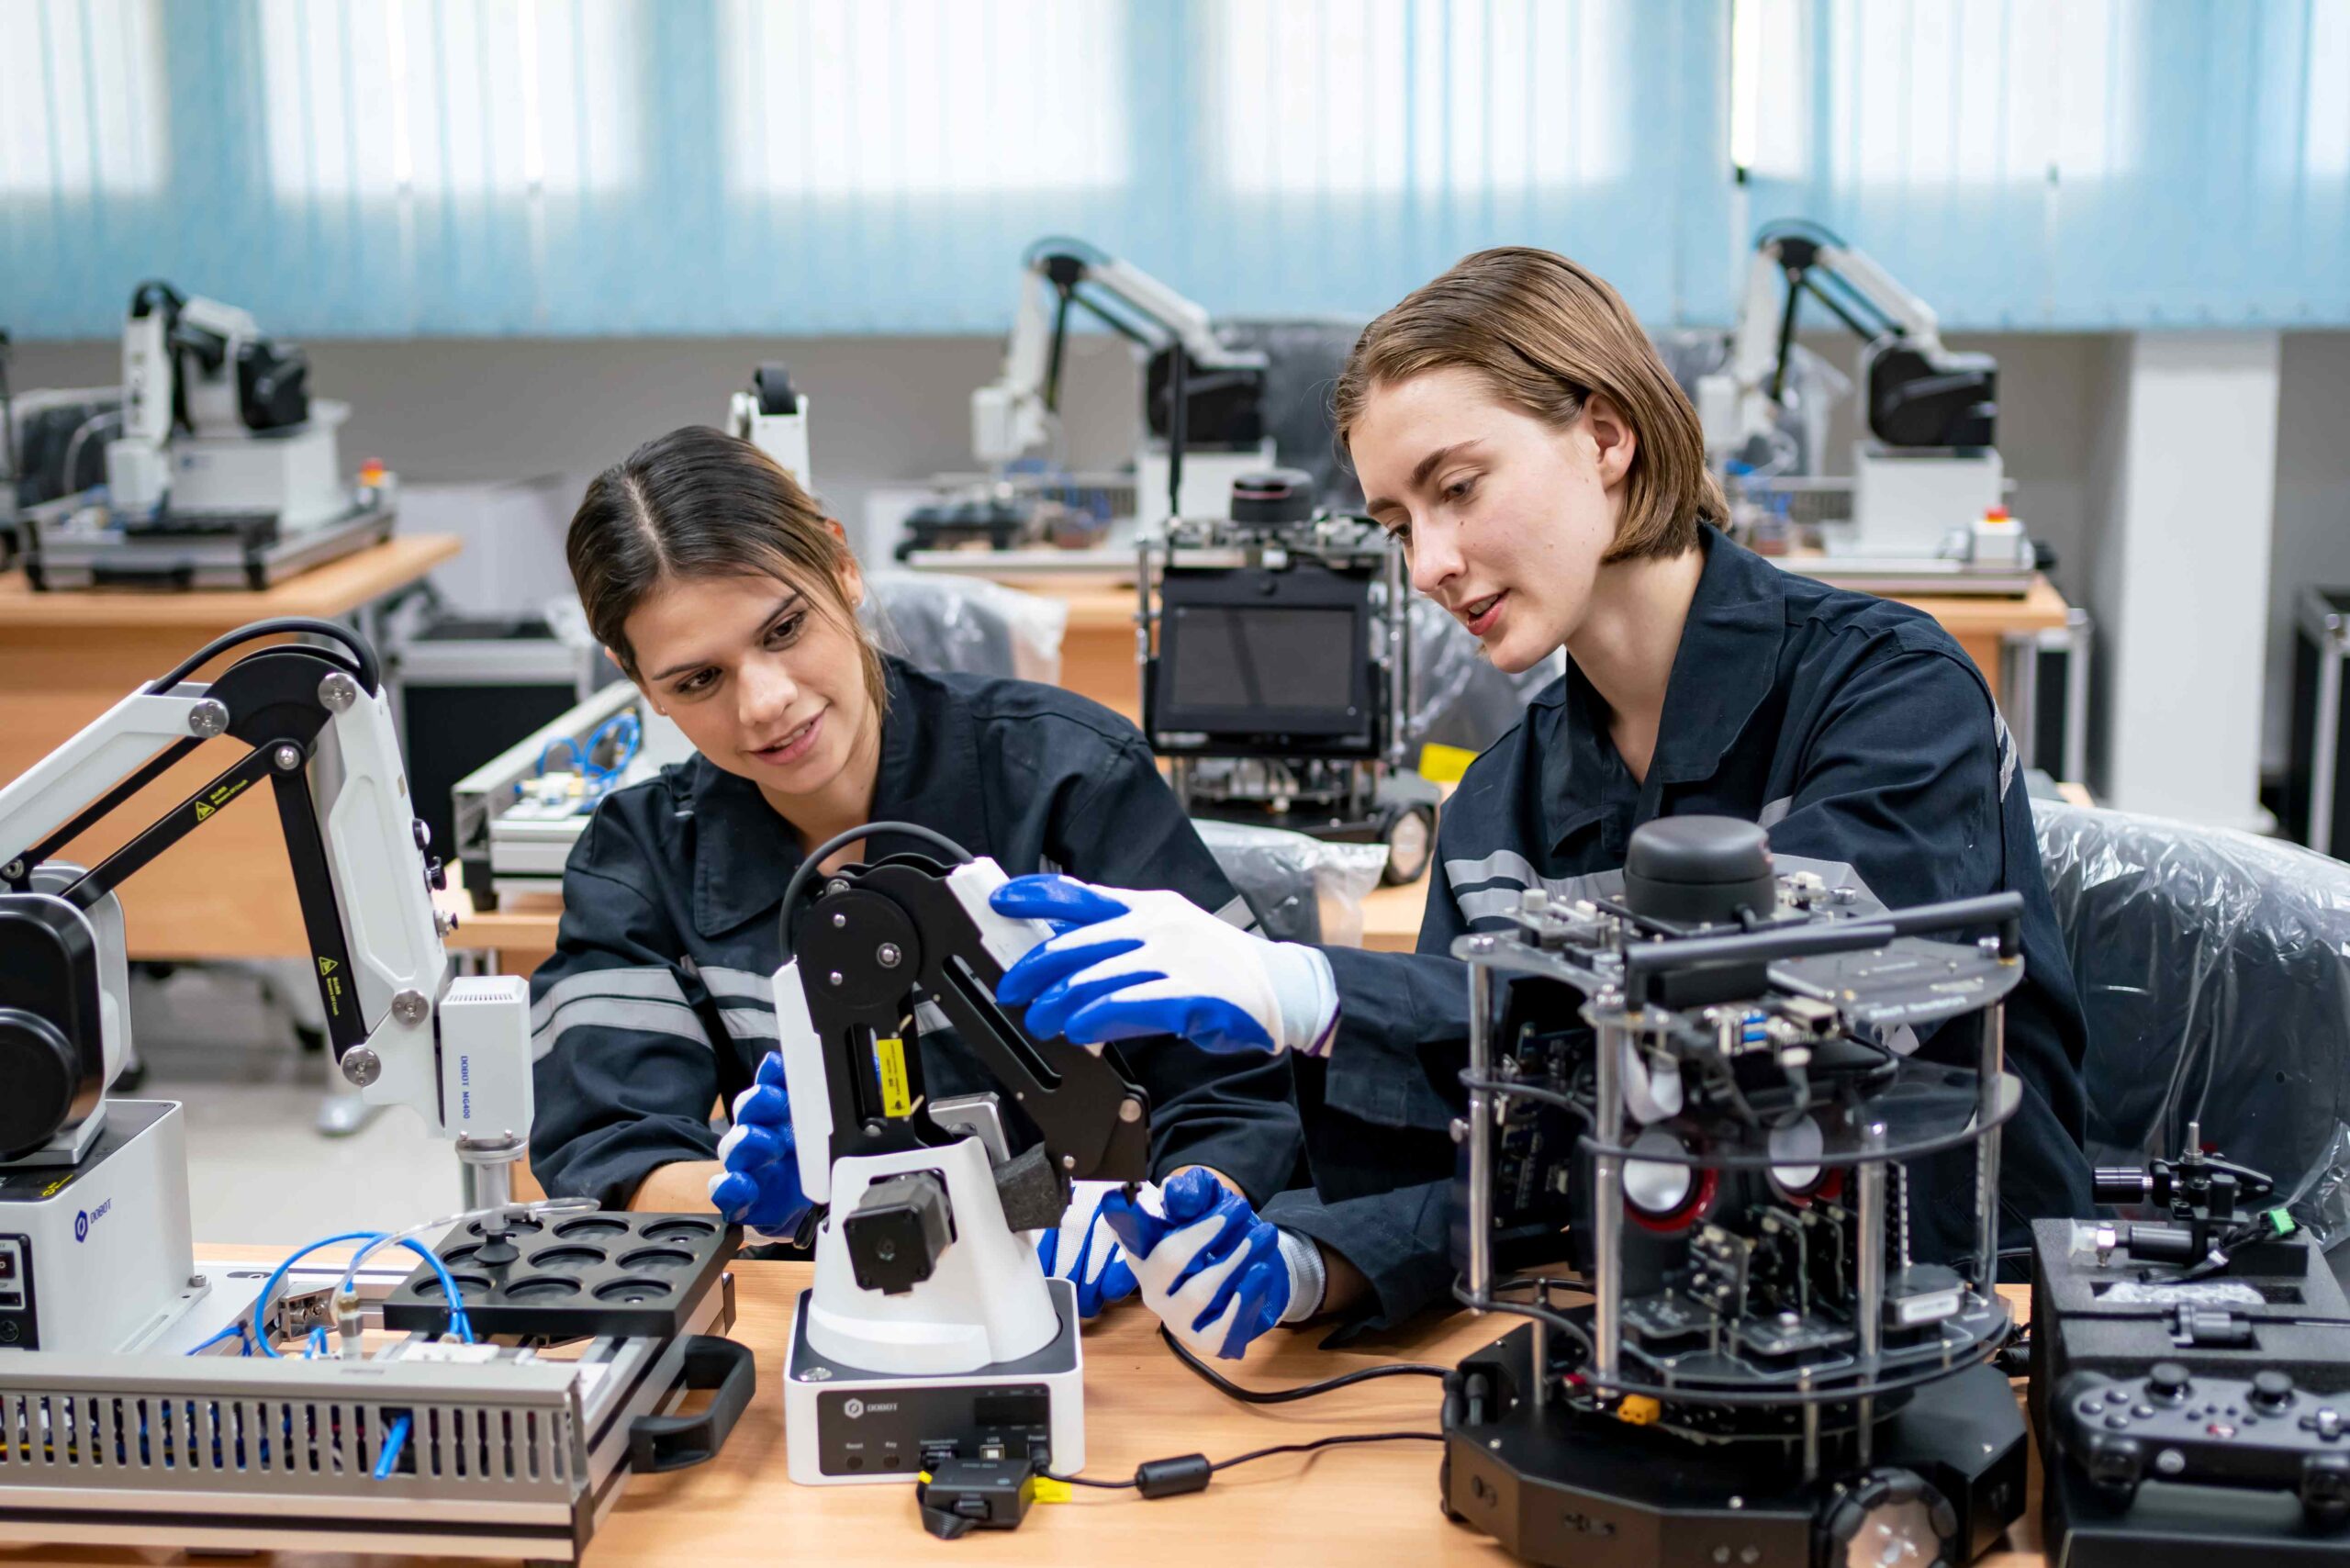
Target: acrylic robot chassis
{"type": "Point", "coordinates": [1762, 1376]}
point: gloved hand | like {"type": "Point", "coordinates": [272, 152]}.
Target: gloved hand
{"type": "Point", "coordinates": [1214, 1273]}
{"type": "Point", "coordinates": [1083, 1251]}
{"type": "Point", "coordinates": [760, 1186]}
{"type": "Point", "coordinates": [1131, 963]}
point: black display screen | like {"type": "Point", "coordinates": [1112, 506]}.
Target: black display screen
{"type": "Point", "coordinates": [1268, 659]}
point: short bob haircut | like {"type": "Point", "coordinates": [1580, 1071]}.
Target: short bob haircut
{"type": "Point", "coordinates": [1545, 335]}
{"type": "Point", "coordinates": [700, 503]}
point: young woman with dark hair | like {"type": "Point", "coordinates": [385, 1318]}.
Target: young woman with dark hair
{"type": "Point", "coordinates": [727, 596]}
{"type": "Point", "coordinates": [1515, 429]}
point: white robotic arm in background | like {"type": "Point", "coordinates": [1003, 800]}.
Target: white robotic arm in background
{"type": "Point", "coordinates": [1014, 415]}
{"type": "Point", "coordinates": [319, 731]}
{"type": "Point", "coordinates": [1918, 394]}
{"type": "Point", "coordinates": [196, 365]}
{"type": "Point", "coordinates": [773, 416]}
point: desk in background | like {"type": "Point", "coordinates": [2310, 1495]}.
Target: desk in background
{"type": "Point", "coordinates": [225, 892]}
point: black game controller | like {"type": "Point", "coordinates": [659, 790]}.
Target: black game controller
{"type": "Point", "coordinates": [2208, 1431]}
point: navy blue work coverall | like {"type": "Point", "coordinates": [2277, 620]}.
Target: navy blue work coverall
{"type": "Point", "coordinates": [1855, 730]}
{"type": "Point", "coordinates": [659, 1001]}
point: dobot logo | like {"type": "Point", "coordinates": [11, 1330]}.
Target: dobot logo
{"type": "Point", "coordinates": [852, 1408]}
{"type": "Point", "coordinates": [83, 1219]}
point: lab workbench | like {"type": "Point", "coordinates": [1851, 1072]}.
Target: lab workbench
{"type": "Point", "coordinates": [66, 657]}
{"type": "Point", "coordinates": [1367, 1504]}
{"type": "Point", "coordinates": [517, 939]}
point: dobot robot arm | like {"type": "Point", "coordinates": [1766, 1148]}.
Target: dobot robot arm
{"type": "Point", "coordinates": [199, 365]}
{"type": "Point", "coordinates": [1014, 415]}
{"type": "Point", "coordinates": [1919, 394]}
{"type": "Point", "coordinates": [318, 727]}
{"type": "Point", "coordinates": [921, 1271]}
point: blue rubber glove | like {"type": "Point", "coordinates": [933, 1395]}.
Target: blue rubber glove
{"type": "Point", "coordinates": [1084, 1251]}
{"type": "Point", "coordinates": [760, 1186]}
{"type": "Point", "coordinates": [1127, 964]}
{"type": "Point", "coordinates": [1214, 1273]}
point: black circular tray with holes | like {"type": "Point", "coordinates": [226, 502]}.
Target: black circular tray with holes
{"type": "Point", "coordinates": [577, 1276]}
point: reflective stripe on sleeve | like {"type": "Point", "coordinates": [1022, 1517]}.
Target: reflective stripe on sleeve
{"type": "Point", "coordinates": [739, 985]}
{"type": "Point", "coordinates": [750, 1023]}
{"type": "Point", "coordinates": [645, 982]}
{"type": "Point", "coordinates": [673, 1019]}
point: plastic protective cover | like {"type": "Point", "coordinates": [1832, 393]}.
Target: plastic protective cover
{"type": "Point", "coordinates": [2214, 968]}
{"type": "Point", "coordinates": [1813, 390]}
{"type": "Point", "coordinates": [1463, 700]}
{"type": "Point", "coordinates": [1303, 890]}
{"type": "Point", "coordinates": [937, 622]}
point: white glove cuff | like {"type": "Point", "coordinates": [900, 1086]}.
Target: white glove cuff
{"type": "Point", "coordinates": [1308, 1279]}
{"type": "Point", "coordinates": [1308, 998]}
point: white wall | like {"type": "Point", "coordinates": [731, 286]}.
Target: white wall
{"type": "Point", "coordinates": [2187, 638]}
{"type": "Point", "coordinates": [2312, 528]}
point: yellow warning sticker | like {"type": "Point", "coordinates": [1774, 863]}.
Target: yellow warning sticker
{"type": "Point", "coordinates": [1445, 764]}
{"type": "Point", "coordinates": [890, 1056]}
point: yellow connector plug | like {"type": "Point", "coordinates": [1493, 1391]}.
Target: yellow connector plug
{"type": "Point", "coordinates": [1638, 1410]}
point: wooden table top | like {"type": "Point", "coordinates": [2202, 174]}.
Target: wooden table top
{"type": "Point", "coordinates": [1372, 1504]}
{"type": "Point", "coordinates": [335, 588]}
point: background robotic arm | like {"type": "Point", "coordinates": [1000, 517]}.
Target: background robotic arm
{"type": "Point", "coordinates": [196, 365]}
{"type": "Point", "coordinates": [1917, 393]}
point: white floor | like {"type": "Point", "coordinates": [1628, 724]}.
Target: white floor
{"type": "Point", "coordinates": [259, 1169]}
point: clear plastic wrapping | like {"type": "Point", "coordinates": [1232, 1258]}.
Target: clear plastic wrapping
{"type": "Point", "coordinates": [1813, 387]}
{"type": "Point", "coordinates": [1303, 890]}
{"type": "Point", "coordinates": [1464, 700]}
{"type": "Point", "coordinates": [935, 620]}
{"type": "Point", "coordinates": [2214, 968]}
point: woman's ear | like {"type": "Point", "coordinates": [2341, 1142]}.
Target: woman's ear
{"type": "Point", "coordinates": [651, 700]}
{"type": "Point", "coordinates": [851, 580]}
{"type": "Point", "coordinates": [1613, 441]}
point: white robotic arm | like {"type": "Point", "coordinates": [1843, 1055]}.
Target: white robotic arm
{"type": "Point", "coordinates": [1014, 415]}
{"type": "Point", "coordinates": [199, 366]}
{"type": "Point", "coordinates": [318, 728]}
{"type": "Point", "coordinates": [1918, 393]}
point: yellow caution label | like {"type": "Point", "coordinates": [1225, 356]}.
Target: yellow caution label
{"type": "Point", "coordinates": [1638, 1410]}
{"type": "Point", "coordinates": [890, 1056]}
{"type": "Point", "coordinates": [330, 986]}
{"type": "Point", "coordinates": [218, 797]}
{"type": "Point", "coordinates": [1445, 764]}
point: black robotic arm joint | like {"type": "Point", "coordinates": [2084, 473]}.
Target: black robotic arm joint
{"type": "Point", "coordinates": [878, 936]}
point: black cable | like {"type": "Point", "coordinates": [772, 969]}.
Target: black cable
{"type": "Point", "coordinates": [1327, 1443]}
{"type": "Point", "coordinates": [1232, 1390]}
{"type": "Point", "coordinates": [366, 671]}
{"type": "Point", "coordinates": [1557, 1321]}
{"type": "Point", "coordinates": [1518, 1088]}
{"type": "Point", "coordinates": [798, 883]}
{"type": "Point", "coordinates": [1189, 1473]}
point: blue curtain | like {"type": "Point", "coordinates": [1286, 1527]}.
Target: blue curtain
{"type": "Point", "coordinates": [2082, 163]}
{"type": "Point", "coordinates": [635, 167]}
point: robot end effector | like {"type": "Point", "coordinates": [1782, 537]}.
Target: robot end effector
{"type": "Point", "coordinates": [319, 732]}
